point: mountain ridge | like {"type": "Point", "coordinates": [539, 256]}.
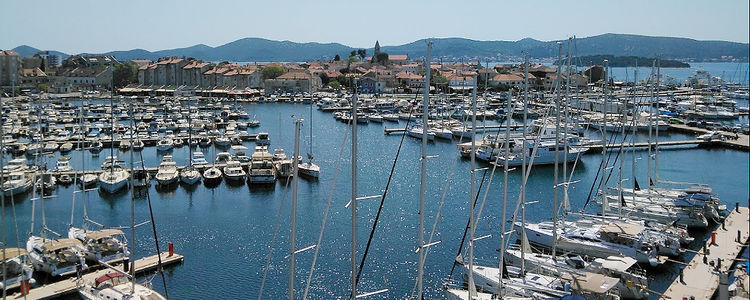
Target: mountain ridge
{"type": "Point", "coordinates": [452, 48]}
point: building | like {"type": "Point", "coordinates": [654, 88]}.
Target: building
{"type": "Point", "coordinates": [82, 78]}
{"type": "Point", "coordinates": [10, 68]}
{"type": "Point", "coordinates": [369, 85]}
{"type": "Point", "coordinates": [410, 80]}
{"type": "Point", "coordinates": [507, 80]}
{"type": "Point", "coordinates": [292, 82]}
{"type": "Point", "coordinates": [33, 77]}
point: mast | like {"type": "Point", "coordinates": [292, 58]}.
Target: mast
{"type": "Point", "coordinates": [656, 140]}
{"type": "Point", "coordinates": [292, 238]}
{"type": "Point", "coordinates": [605, 204]}
{"type": "Point", "coordinates": [41, 180]}
{"type": "Point", "coordinates": [2, 192]}
{"type": "Point", "coordinates": [508, 111]}
{"type": "Point", "coordinates": [523, 161]}
{"type": "Point", "coordinates": [557, 149]}
{"type": "Point", "coordinates": [472, 221]}
{"type": "Point", "coordinates": [132, 204]}
{"type": "Point", "coordinates": [634, 125]}
{"type": "Point", "coordinates": [567, 127]}
{"type": "Point", "coordinates": [423, 176]}
{"type": "Point", "coordinates": [650, 113]}
{"type": "Point", "coordinates": [354, 194]}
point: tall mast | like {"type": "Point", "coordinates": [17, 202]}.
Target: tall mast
{"type": "Point", "coordinates": [557, 149]}
{"type": "Point", "coordinates": [472, 221]}
{"type": "Point", "coordinates": [634, 125]}
{"type": "Point", "coordinates": [650, 113]}
{"type": "Point", "coordinates": [292, 238]}
{"type": "Point", "coordinates": [423, 160]}
{"type": "Point", "coordinates": [2, 192]}
{"type": "Point", "coordinates": [508, 111]}
{"type": "Point", "coordinates": [354, 194]}
{"type": "Point", "coordinates": [604, 140]}
{"type": "Point", "coordinates": [523, 161]}
{"type": "Point", "coordinates": [567, 127]}
{"type": "Point", "coordinates": [132, 204]}
{"type": "Point", "coordinates": [656, 141]}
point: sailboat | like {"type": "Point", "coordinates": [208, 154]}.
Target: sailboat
{"type": "Point", "coordinates": [309, 169]}
{"type": "Point", "coordinates": [115, 177]}
{"type": "Point", "coordinates": [190, 175]}
{"type": "Point", "coordinates": [17, 268]}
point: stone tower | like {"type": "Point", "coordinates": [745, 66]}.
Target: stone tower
{"type": "Point", "coordinates": [377, 48]}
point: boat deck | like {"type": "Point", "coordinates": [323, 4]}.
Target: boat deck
{"type": "Point", "coordinates": [700, 280]}
{"type": "Point", "coordinates": [67, 286]}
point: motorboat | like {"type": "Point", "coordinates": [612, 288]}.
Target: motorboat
{"type": "Point", "coordinates": [199, 159]}
{"type": "Point", "coordinates": [167, 172]}
{"type": "Point", "coordinates": [212, 176]}
{"type": "Point", "coordinates": [165, 144]}
{"type": "Point", "coordinates": [88, 180]}
{"type": "Point", "coordinates": [116, 285]}
{"type": "Point", "coordinates": [101, 246]}
{"type": "Point", "coordinates": [141, 177]}
{"type": "Point", "coordinates": [58, 257]}
{"type": "Point", "coordinates": [263, 139]}
{"type": "Point", "coordinates": [63, 164]}
{"type": "Point", "coordinates": [17, 183]}
{"type": "Point", "coordinates": [66, 147]}
{"type": "Point", "coordinates": [222, 142]}
{"type": "Point", "coordinates": [261, 167]}
{"type": "Point", "coordinates": [233, 171]}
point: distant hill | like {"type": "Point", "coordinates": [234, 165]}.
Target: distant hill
{"type": "Point", "coordinates": [257, 49]}
{"type": "Point", "coordinates": [625, 61]}
{"type": "Point", "coordinates": [25, 50]}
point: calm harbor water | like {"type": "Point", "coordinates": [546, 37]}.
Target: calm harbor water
{"type": "Point", "coordinates": [225, 232]}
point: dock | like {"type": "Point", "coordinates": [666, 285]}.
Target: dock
{"type": "Point", "coordinates": [627, 145]}
{"type": "Point", "coordinates": [741, 143]}
{"type": "Point", "coordinates": [388, 131]}
{"type": "Point", "coordinates": [701, 280]}
{"type": "Point", "coordinates": [70, 285]}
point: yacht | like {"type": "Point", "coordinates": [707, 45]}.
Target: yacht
{"type": "Point", "coordinates": [96, 147]}
{"type": "Point", "coordinates": [56, 257]}
{"type": "Point", "coordinates": [17, 267]}
{"type": "Point", "coordinates": [309, 169]}
{"type": "Point", "coordinates": [106, 245]}
{"type": "Point", "coordinates": [140, 177]}
{"type": "Point", "coordinates": [595, 239]}
{"type": "Point", "coordinates": [263, 139]}
{"type": "Point", "coordinates": [138, 145]}
{"type": "Point", "coordinates": [165, 144]}
{"type": "Point", "coordinates": [199, 159]}
{"type": "Point", "coordinates": [544, 154]}
{"type": "Point", "coordinates": [167, 172]}
{"type": "Point", "coordinates": [17, 183]}
{"type": "Point", "coordinates": [88, 180]}
{"type": "Point", "coordinates": [114, 177]}
{"type": "Point", "coordinates": [222, 142]}
{"type": "Point", "coordinates": [16, 165]}
{"type": "Point", "coordinates": [284, 166]}
{"type": "Point", "coordinates": [234, 172]}
{"type": "Point", "coordinates": [115, 285]}
{"type": "Point", "coordinates": [416, 131]}
{"type": "Point", "coordinates": [63, 164]}
{"type": "Point", "coordinates": [212, 176]}
{"type": "Point", "coordinates": [261, 168]}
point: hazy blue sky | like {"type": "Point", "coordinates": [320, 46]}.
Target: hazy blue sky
{"type": "Point", "coordinates": [100, 26]}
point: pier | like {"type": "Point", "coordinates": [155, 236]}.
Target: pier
{"type": "Point", "coordinates": [70, 285]}
{"type": "Point", "coordinates": [701, 276]}
{"type": "Point", "coordinates": [388, 131]}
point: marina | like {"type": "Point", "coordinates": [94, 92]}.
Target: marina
{"type": "Point", "coordinates": [388, 177]}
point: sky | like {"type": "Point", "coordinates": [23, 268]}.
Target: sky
{"type": "Point", "coordinates": [78, 26]}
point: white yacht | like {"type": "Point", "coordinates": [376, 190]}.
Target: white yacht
{"type": "Point", "coordinates": [284, 166]}
{"type": "Point", "coordinates": [57, 257]}
{"type": "Point", "coordinates": [115, 285]}
{"type": "Point", "coordinates": [106, 245]}
{"type": "Point", "coordinates": [114, 176]}
{"type": "Point", "coordinates": [63, 164]}
{"type": "Point", "coordinates": [88, 180]}
{"type": "Point", "coordinates": [544, 154]}
{"type": "Point", "coordinates": [234, 172]}
{"type": "Point", "coordinates": [309, 169]}
{"type": "Point", "coordinates": [167, 172]}
{"type": "Point", "coordinates": [18, 268]}
{"type": "Point", "coordinates": [199, 159]}
{"type": "Point", "coordinates": [17, 183]}
{"type": "Point", "coordinates": [261, 168]}
{"type": "Point", "coordinates": [140, 177]}
{"type": "Point", "coordinates": [190, 175]}
{"type": "Point", "coordinates": [165, 144]}
{"type": "Point", "coordinates": [595, 239]}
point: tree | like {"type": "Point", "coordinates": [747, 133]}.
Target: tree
{"type": "Point", "coordinates": [334, 84]}
{"type": "Point", "coordinates": [362, 53]}
{"type": "Point", "coordinates": [353, 53]}
{"type": "Point", "coordinates": [272, 72]}
{"type": "Point", "coordinates": [382, 58]}
{"type": "Point", "coordinates": [42, 87]}
{"type": "Point", "coordinates": [352, 59]}
{"type": "Point", "coordinates": [324, 78]}
{"type": "Point", "coordinates": [124, 74]}
{"type": "Point", "coordinates": [337, 58]}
